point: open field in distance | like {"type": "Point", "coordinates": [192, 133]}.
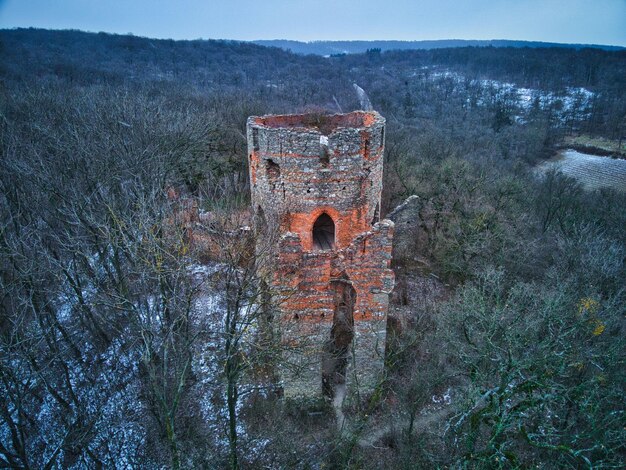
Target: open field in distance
{"type": "Point", "coordinates": [593, 171]}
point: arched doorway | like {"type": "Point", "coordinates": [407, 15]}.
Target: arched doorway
{"type": "Point", "coordinates": [324, 233]}
{"type": "Point", "coordinates": [337, 348]}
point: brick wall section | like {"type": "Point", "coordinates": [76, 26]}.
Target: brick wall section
{"type": "Point", "coordinates": [302, 278]}
{"type": "Point", "coordinates": [302, 166]}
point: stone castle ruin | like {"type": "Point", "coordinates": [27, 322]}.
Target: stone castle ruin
{"type": "Point", "coordinates": [317, 180]}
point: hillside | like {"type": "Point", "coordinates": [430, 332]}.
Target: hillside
{"type": "Point", "coordinates": [74, 55]}
{"type": "Point", "coordinates": [358, 47]}
{"type": "Point", "coordinates": [135, 321]}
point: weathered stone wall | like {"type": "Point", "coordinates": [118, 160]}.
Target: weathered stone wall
{"type": "Point", "coordinates": [301, 172]}
{"type": "Point", "coordinates": [303, 166]}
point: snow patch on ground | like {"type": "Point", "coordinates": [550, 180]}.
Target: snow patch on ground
{"type": "Point", "coordinates": [593, 171]}
{"type": "Point", "coordinates": [573, 104]}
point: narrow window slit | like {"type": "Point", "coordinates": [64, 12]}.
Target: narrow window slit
{"type": "Point", "coordinates": [324, 153]}
{"type": "Point", "coordinates": [376, 218]}
{"type": "Point", "coordinates": [273, 170]}
{"type": "Point", "coordinates": [255, 139]}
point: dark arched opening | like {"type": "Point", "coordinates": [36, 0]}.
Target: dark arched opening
{"type": "Point", "coordinates": [324, 233]}
{"type": "Point", "coordinates": [337, 347]}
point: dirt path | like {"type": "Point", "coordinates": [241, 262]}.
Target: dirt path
{"type": "Point", "coordinates": [422, 423]}
{"type": "Point", "coordinates": [427, 419]}
{"type": "Point", "coordinates": [340, 394]}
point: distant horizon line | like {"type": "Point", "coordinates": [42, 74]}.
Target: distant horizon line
{"type": "Point", "coordinates": [310, 41]}
{"type": "Point", "coordinates": [313, 41]}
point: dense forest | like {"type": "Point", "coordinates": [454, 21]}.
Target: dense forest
{"type": "Point", "coordinates": [352, 47]}
{"type": "Point", "coordinates": [118, 337]}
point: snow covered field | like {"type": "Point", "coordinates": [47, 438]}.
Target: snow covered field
{"type": "Point", "coordinates": [572, 103]}
{"type": "Point", "coordinates": [592, 171]}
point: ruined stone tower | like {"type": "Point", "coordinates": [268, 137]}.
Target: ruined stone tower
{"type": "Point", "coordinates": [318, 180]}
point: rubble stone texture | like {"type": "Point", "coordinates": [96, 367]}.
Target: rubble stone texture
{"type": "Point", "coordinates": [318, 178]}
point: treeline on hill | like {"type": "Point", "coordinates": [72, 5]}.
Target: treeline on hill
{"type": "Point", "coordinates": [359, 47]}
{"type": "Point", "coordinates": [114, 349]}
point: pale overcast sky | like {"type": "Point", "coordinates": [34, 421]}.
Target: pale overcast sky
{"type": "Point", "coordinates": [568, 21]}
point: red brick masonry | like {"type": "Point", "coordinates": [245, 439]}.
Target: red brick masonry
{"type": "Point", "coordinates": [303, 166]}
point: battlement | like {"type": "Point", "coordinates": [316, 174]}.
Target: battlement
{"type": "Point", "coordinates": [323, 123]}
{"type": "Point", "coordinates": [329, 138]}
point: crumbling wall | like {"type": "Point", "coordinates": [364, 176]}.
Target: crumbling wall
{"type": "Point", "coordinates": [301, 167]}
